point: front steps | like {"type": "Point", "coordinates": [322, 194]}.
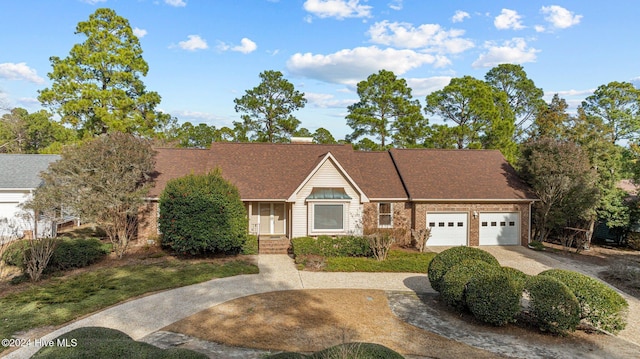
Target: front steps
{"type": "Point", "coordinates": [273, 245]}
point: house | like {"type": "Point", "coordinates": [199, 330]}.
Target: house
{"type": "Point", "coordinates": [19, 177]}
{"type": "Point", "coordinates": [466, 197]}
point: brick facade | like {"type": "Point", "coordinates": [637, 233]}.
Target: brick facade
{"type": "Point", "coordinates": [148, 221]}
{"type": "Point", "coordinates": [402, 219]}
{"type": "Point", "coordinates": [421, 209]}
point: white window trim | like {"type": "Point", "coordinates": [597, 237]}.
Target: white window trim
{"type": "Point", "coordinates": [391, 213]}
{"type": "Point", "coordinates": [345, 216]}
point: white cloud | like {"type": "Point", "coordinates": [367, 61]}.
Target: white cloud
{"type": "Point", "coordinates": [514, 51]}
{"type": "Point", "coordinates": [571, 92]}
{"type": "Point", "coordinates": [430, 37]}
{"type": "Point", "coordinates": [421, 87]}
{"type": "Point", "coordinates": [508, 19]}
{"type": "Point", "coordinates": [176, 3]}
{"type": "Point", "coordinates": [559, 17]}
{"type": "Point", "coordinates": [246, 46]}
{"type": "Point", "coordinates": [396, 5]}
{"type": "Point", "coordinates": [323, 100]}
{"type": "Point", "coordinates": [140, 33]}
{"type": "Point", "coordinates": [339, 9]}
{"type": "Point", "coordinates": [194, 43]}
{"type": "Point", "coordinates": [459, 16]}
{"type": "Point", "coordinates": [199, 117]}
{"type": "Point", "coordinates": [93, 2]}
{"type": "Point", "coordinates": [539, 28]}
{"type": "Point", "coordinates": [350, 66]}
{"type": "Point", "coordinates": [19, 71]}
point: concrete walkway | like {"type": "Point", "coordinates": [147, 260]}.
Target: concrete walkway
{"type": "Point", "coordinates": [141, 317]}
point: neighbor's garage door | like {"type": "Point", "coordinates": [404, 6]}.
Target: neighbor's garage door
{"type": "Point", "coordinates": [499, 228]}
{"type": "Point", "coordinates": [447, 229]}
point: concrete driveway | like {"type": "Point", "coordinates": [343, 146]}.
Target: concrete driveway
{"type": "Point", "coordinates": [148, 315]}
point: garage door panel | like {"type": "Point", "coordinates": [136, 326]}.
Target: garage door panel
{"type": "Point", "coordinates": [499, 228]}
{"type": "Point", "coordinates": [447, 229]}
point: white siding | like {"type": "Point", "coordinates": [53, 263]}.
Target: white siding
{"type": "Point", "coordinates": [328, 175]}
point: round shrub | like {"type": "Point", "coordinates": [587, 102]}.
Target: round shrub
{"type": "Point", "coordinates": [357, 351]}
{"type": "Point", "coordinates": [76, 253]}
{"type": "Point", "coordinates": [287, 355]}
{"type": "Point", "coordinates": [14, 253]}
{"type": "Point", "coordinates": [448, 258]}
{"type": "Point", "coordinates": [202, 214]}
{"type": "Point", "coordinates": [600, 305]}
{"type": "Point", "coordinates": [552, 304]}
{"type": "Point", "coordinates": [493, 297]}
{"type": "Point", "coordinates": [454, 282]}
{"type": "Point", "coordinates": [518, 276]}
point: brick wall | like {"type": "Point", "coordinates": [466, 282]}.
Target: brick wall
{"type": "Point", "coordinates": [421, 209]}
{"type": "Point", "coordinates": [402, 220]}
{"type": "Point", "coordinates": [148, 221]}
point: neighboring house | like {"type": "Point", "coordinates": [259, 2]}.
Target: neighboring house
{"type": "Point", "coordinates": [467, 197]}
{"type": "Point", "coordinates": [19, 177]}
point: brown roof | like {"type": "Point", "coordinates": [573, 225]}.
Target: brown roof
{"type": "Point", "coordinates": [274, 171]}
{"type": "Point", "coordinates": [433, 174]}
{"type": "Point", "coordinates": [265, 171]}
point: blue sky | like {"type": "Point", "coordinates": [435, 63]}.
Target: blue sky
{"type": "Point", "coordinates": [202, 54]}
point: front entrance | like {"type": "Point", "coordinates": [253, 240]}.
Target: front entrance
{"type": "Point", "coordinates": [272, 218]}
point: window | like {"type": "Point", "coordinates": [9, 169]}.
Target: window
{"type": "Point", "coordinates": [432, 224]}
{"type": "Point", "coordinates": [385, 215]}
{"type": "Point", "coordinates": [460, 224]}
{"type": "Point", "coordinates": [328, 217]}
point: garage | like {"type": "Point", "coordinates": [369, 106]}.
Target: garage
{"type": "Point", "coordinates": [499, 229]}
{"type": "Point", "coordinates": [448, 229]}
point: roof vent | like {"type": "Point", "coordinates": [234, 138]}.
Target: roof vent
{"type": "Point", "coordinates": [307, 140]}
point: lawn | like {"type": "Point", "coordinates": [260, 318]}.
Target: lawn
{"type": "Point", "coordinates": [397, 261]}
{"type": "Point", "coordinates": [66, 298]}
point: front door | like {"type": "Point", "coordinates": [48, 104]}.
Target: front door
{"type": "Point", "coordinates": [272, 218]}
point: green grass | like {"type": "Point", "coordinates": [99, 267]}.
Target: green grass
{"type": "Point", "coordinates": [96, 342]}
{"type": "Point", "coordinates": [64, 299]}
{"type": "Point", "coordinates": [397, 261]}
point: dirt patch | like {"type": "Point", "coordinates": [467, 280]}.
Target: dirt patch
{"type": "Point", "coordinates": [311, 320]}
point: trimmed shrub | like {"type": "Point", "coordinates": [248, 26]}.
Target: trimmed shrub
{"type": "Point", "coordinates": [77, 253]}
{"type": "Point", "coordinates": [518, 276]}
{"type": "Point", "coordinates": [493, 296]}
{"type": "Point", "coordinates": [454, 282]}
{"type": "Point", "coordinates": [357, 351]}
{"type": "Point", "coordinates": [96, 342]}
{"type": "Point", "coordinates": [287, 355]}
{"type": "Point", "coordinates": [69, 253]}
{"type": "Point", "coordinates": [600, 305]}
{"type": "Point", "coordinates": [452, 256]}
{"type": "Point", "coordinates": [202, 214]}
{"type": "Point", "coordinates": [552, 304]}
{"type": "Point", "coordinates": [250, 245]}
{"type": "Point", "coordinates": [14, 253]}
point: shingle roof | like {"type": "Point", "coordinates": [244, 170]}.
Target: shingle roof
{"type": "Point", "coordinates": [19, 171]}
{"type": "Point", "coordinates": [432, 174]}
{"type": "Point", "coordinates": [265, 171]}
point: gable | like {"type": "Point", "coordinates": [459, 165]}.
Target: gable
{"type": "Point", "coordinates": [328, 174]}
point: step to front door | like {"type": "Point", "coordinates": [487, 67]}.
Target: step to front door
{"type": "Point", "coordinates": [279, 245]}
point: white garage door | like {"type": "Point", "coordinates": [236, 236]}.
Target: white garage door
{"type": "Point", "coordinates": [499, 228]}
{"type": "Point", "coordinates": [447, 229]}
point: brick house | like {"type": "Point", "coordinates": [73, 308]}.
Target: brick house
{"type": "Point", "coordinates": [467, 197]}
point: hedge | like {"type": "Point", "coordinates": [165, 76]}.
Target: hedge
{"type": "Point", "coordinates": [452, 256]}
{"type": "Point", "coordinates": [552, 304]}
{"type": "Point", "coordinates": [202, 214]}
{"type": "Point", "coordinates": [347, 350]}
{"type": "Point", "coordinates": [454, 282]}
{"type": "Point", "coordinates": [493, 296]}
{"type": "Point", "coordinates": [518, 276]}
{"type": "Point", "coordinates": [600, 305]}
{"type": "Point", "coordinates": [69, 253]}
